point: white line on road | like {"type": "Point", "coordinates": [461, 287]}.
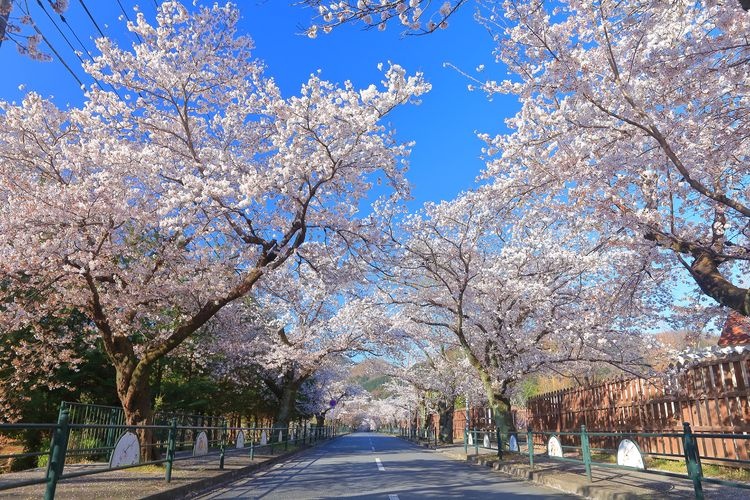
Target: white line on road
{"type": "Point", "coordinates": [393, 497]}
{"type": "Point", "coordinates": [380, 464]}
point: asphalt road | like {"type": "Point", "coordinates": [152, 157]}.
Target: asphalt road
{"type": "Point", "coordinates": [369, 466]}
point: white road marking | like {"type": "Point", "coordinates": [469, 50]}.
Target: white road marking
{"type": "Point", "coordinates": [393, 497]}
{"type": "Point", "coordinates": [380, 464]}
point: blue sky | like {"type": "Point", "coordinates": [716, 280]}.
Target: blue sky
{"type": "Point", "coordinates": [445, 159]}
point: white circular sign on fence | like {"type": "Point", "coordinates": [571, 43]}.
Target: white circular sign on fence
{"type": "Point", "coordinates": [127, 451]}
{"type": "Point", "coordinates": [263, 438]}
{"type": "Point", "coordinates": [554, 448]}
{"type": "Point", "coordinates": [486, 441]}
{"type": "Point", "coordinates": [239, 441]}
{"type": "Point", "coordinates": [629, 455]}
{"type": "Point", "coordinates": [513, 443]}
{"type": "Point", "coordinates": [201, 445]}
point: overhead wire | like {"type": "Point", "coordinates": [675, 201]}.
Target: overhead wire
{"type": "Point", "coordinates": [75, 35]}
{"type": "Point", "coordinates": [41, 5]}
{"type": "Point", "coordinates": [59, 57]}
{"type": "Point", "coordinates": [96, 80]}
{"type": "Point", "coordinates": [88, 13]}
{"type": "Point", "coordinates": [129, 20]}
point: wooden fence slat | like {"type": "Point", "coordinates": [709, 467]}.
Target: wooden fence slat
{"type": "Point", "coordinates": [712, 397]}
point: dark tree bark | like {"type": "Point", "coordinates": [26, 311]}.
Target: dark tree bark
{"type": "Point", "coordinates": [286, 409]}
{"type": "Point", "coordinates": [445, 412]}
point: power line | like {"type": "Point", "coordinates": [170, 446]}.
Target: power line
{"type": "Point", "coordinates": [128, 18]}
{"type": "Point", "coordinates": [75, 35]}
{"type": "Point", "coordinates": [59, 30]}
{"type": "Point", "coordinates": [88, 13]}
{"type": "Point", "coordinates": [59, 57]}
{"type": "Point", "coordinates": [98, 83]}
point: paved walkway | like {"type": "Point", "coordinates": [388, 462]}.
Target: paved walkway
{"type": "Point", "coordinates": [140, 482]}
{"type": "Point", "coordinates": [376, 466]}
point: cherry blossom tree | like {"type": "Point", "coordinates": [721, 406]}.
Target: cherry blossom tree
{"type": "Point", "coordinates": [155, 205]}
{"type": "Point", "coordinates": [437, 369]}
{"type": "Point", "coordinates": [18, 27]}
{"type": "Point", "coordinates": [310, 321]}
{"type": "Point", "coordinates": [639, 106]}
{"type": "Point", "coordinates": [517, 294]}
{"type": "Point", "coordinates": [416, 17]}
{"type": "Point", "coordinates": [327, 391]}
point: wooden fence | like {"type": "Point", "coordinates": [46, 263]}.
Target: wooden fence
{"type": "Point", "coordinates": [481, 418]}
{"type": "Point", "coordinates": [713, 396]}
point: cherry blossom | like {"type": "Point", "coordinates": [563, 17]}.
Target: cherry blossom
{"type": "Point", "coordinates": [154, 205]}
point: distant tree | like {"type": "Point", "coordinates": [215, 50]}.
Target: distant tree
{"type": "Point", "coordinates": [320, 317]}
{"type": "Point", "coordinates": [518, 293]}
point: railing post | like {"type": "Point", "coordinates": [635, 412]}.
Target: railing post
{"type": "Point", "coordinates": [499, 443]}
{"type": "Point", "coordinates": [58, 449]}
{"type": "Point", "coordinates": [304, 434]}
{"type": "Point", "coordinates": [692, 460]}
{"type": "Point", "coordinates": [111, 431]}
{"type": "Point", "coordinates": [223, 445]}
{"type": "Point", "coordinates": [586, 451]}
{"type": "Point", "coordinates": [530, 446]}
{"type": "Point", "coordinates": [466, 441]}
{"type": "Point", "coordinates": [252, 446]}
{"type": "Point", "coordinates": [171, 445]}
{"type": "Point", "coordinates": [476, 442]}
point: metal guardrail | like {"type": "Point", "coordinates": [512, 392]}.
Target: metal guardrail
{"type": "Point", "coordinates": [100, 436]}
{"type": "Point", "coordinates": [582, 452]}
{"type": "Point", "coordinates": [60, 451]}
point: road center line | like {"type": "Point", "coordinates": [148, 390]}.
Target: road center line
{"type": "Point", "coordinates": [393, 497]}
{"type": "Point", "coordinates": [380, 464]}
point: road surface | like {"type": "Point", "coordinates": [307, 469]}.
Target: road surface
{"type": "Point", "coordinates": [369, 466]}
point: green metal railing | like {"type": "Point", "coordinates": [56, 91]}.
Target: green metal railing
{"type": "Point", "coordinates": [585, 448]}
{"type": "Point", "coordinates": [98, 438]}
{"type": "Point", "coordinates": [576, 447]}
{"type": "Point", "coordinates": [167, 443]}
{"type": "Point", "coordinates": [486, 439]}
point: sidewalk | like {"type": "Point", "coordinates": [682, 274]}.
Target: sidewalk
{"type": "Point", "coordinates": [188, 476]}
{"type": "Point", "coordinates": [606, 484]}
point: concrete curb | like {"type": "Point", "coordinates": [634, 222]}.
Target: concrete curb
{"type": "Point", "coordinates": [563, 481]}
{"type": "Point", "coordinates": [191, 489]}
{"type": "Point", "coordinates": [566, 482]}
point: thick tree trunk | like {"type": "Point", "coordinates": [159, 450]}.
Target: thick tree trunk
{"type": "Point", "coordinates": [286, 408]}
{"type": "Point", "coordinates": [502, 414]}
{"type": "Point", "coordinates": [135, 396]}
{"type": "Point", "coordinates": [320, 421]}
{"type": "Point", "coordinates": [445, 411]}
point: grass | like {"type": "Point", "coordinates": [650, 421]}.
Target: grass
{"type": "Point", "coordinates": [146, 469]}
{"type": "Point", "coordinates": [678, 466]}
{"type": "Point", "coordinates": [709, 470]}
